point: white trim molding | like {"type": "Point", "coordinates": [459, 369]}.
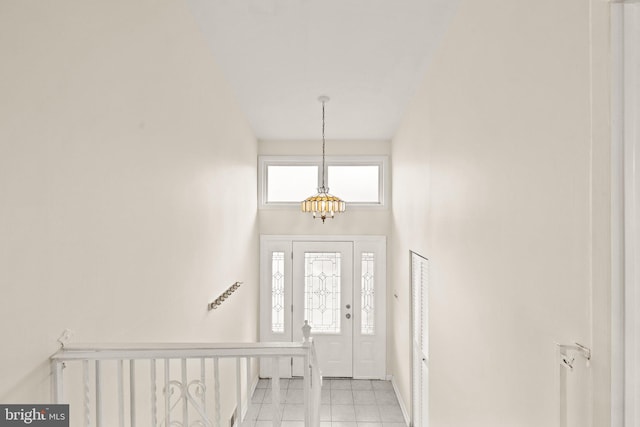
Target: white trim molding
{"type": "Point", "coordinates": [625, 391]}
{"type": "Point", "coordinates": [403, 406]}
{"type": "Point", "coordinates": [631, 123]}
{"type": "Point", "coordinates": [617, 221]}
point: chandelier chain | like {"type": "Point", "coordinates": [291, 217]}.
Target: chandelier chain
{"type": "Point", "coordinates": [323, 182]}
{"type": "Point", "coordinates": [323, 205]}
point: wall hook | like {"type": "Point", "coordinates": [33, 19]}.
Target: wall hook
{"type": "Point", "coordinates": [223, 296]}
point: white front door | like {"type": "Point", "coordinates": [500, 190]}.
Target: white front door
{"type": "Point", "coordinates": [337, 283]}
{"type": "Point", "coordinates": [323, 296]}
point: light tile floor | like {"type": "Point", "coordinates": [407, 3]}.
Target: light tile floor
{"type": "Point", "coordinates": [345, 403]}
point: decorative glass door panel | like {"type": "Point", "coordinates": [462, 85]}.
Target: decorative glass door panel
{"type": "Point", "coordinates": [277, 292]}
{"type": "Point", "coordinates": [367, 294]}
{"type": "Point", "coordinates": [322, 295]}
{"type": "Point", "coordinates": [322, 291]}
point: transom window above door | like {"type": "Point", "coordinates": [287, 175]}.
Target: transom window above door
{"type": "Point", "coordinates": [287, 181]}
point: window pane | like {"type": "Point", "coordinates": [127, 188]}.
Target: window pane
{"type": "Point", "coordinates": [355, 183]}
{"type": "Point", "coordinates": [291, 183]}
{"type": "Point", "coordinates": [367, 292]}
{"type": "Point", "coordinates": [322, 291]}
{"type": "Point", "coordinates": [277, 292]}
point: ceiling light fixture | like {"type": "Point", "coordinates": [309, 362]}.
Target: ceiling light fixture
{"type": "Point", "coordinates": [323, 204]}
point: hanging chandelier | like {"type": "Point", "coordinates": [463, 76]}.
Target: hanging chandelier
{"type": "Point", "coordinates": [323, 204]}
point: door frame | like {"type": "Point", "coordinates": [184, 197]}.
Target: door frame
{"type": "Point", "coordinates": [363, 367]}
{"type": "Point", "coordinates": [625, 225]}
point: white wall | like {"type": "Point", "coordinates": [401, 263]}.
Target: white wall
{"type": "Point", "coordinates": [501, 180]}
{"type": "Point", "coordinates": [127, 185]}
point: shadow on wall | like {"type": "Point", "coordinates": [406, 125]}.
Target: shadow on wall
{"type": "Point", "coordinates": [39, 378]}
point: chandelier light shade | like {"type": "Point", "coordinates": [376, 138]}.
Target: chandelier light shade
{"type": "Point", "coordinates": [323, 205]}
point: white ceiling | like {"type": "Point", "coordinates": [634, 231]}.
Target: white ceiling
{"type": "Point", "coordinates": [369, 56]}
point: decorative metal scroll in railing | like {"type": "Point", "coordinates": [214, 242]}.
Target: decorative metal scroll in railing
{"type": "Point", "coordinates": [164, 385]}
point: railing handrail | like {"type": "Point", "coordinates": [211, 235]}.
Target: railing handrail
{"type": "Point", "coordinates": [97, 351]}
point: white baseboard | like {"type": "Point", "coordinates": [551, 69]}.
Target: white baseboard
{"type": "Point", "coordinates": [403, 407]}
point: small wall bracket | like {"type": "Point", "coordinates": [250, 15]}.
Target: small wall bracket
{"type": "Point", "coordinates": [65, 337]}
{"type": "Point", "coordinates": [567, 359]}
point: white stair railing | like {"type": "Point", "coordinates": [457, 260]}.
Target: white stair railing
{"type": "Point", "coordinates": [164, 385]}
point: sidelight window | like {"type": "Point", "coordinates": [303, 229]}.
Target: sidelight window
{"type": "Point", "coordinates": [277, 292]}
{"type": "Point", "coordinates": [367, 294]}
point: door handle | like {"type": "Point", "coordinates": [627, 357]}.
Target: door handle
{"type": "Point", "coordinates": [348, 305]}
{"type": "Point", "coordinates": [348, 316]}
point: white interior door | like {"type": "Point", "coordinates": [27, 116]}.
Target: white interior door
{"type": "Point", "coordinates": [419, 341]}
{"type": "Point", "coordinates": [323, 295]}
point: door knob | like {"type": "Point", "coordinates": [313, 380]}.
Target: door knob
{"type": "Point", "coordinates": [348, 305]}
{"type": "Point", "coordinates": [348, 316]}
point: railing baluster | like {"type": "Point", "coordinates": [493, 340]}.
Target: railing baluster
{"type": "Point", "coordinates": [87, 403]}
{"type": "Point", "coordinates": [132, 391]}
{"type": "Point", "coordinates": [167, 396]}
{"type": "Point", "coordinates": [185, 408]}
{"type": "Point", "coordinates": [204, 388]}
{"type": "Point", "coordinates": [120, 379]}
{"type": "Point", "coordinates": [238, 391]}
{"type": "Point", "coordinates": [248, 384]}
{"type": "Point", "coordinates": [57, 381]}
{"type": "Point", "coordinates": [306, 385]}
{"type": "Point", "coordinates": [275, 391]}
{"type": "Point", "coordinates": [98, 393]}
{"type": "Point", "coordinates": [154, 397]}
{"type": "Point", "coordinates": [216, 373]}
{"type": "Point", "coordinates": [316, 387]}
